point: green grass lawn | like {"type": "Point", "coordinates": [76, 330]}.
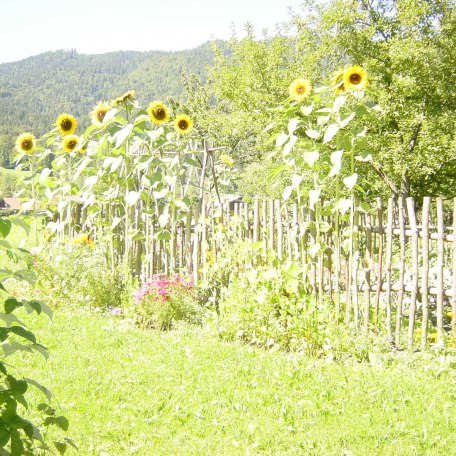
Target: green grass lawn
{"type": "Point", "coordinates": [128, 391]}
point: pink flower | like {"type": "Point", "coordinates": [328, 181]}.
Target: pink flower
{"type": "Point", "coordinates": [115, 311]}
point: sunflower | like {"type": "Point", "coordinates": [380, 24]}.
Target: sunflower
{"type": "Point", "coordinates": [129, 96]}
{"type": "Point", "coordinates": [99, 112]}
{"type": "Point", "coordinates": [66, 124]}
{"type": "Point", "coordinates": [337, 81]}
{"type": "Point", "coordinates": [25, 143]}
{"type": "Point", "coordinates": [70, 143]}
{"type": "Point", "coordinates": [82, 239]}
{"type": "Point", "coordinates": [227, 160]}
{"type": "Point", "coordinates": [158, 113]}
{"type": "Point", "coordinates": [299, 89]}
{"type": "Point", "coordinates": [355, 78]}
{"type": "Point", "coordinates": [183, 124]}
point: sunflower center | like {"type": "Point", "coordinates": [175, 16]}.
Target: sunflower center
{"type": "Point", "coordinates": [159, 113]}
{"type": "Point", "coordinates": [182, 124]}
{"type": "Point", "coordinates": [71, 144]}
{"type": "Point", "coordinates": [26, 145]}
{"type": "Point", "coordinates": [300, 90]}
{"type": "Point", "coordinates": [355, 78]}
{"type": "Point", "coordinates": [101, 115]}
{"type": "Point", "coordinates": [66, 125]}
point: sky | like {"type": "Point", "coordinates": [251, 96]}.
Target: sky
{"type": "Point", "coordinates": [30, 27]}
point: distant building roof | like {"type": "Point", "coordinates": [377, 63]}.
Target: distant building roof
{"type": "Point", "coordinates": [12, 203]}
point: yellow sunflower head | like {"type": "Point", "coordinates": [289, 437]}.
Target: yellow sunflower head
{"type": "Point", "coordinates": [227, 160]}
{"type": "Point", "coordinates": [99, 112]}
{"type": "Point", "coordinates": [158, 113]}
{"type": "Point", "coordinates": [70, 142]}
{"type": "Point", "coordinates": [25, 143]}
{"type": "Point", "coordinates": [66, 124]}
{"type": "Point", "coordinates": [127, 97]}
{"type": "Point", "coordinates": [337, 81]}
{"type": "Point", "coordinates": [183, 124]}
{"type": "Point", "coordinates": [299, 89]}
{"type": "Point", "coordinates": [355, 78]}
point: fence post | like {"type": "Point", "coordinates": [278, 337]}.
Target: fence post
{"type": "Point", "coordinates": [440, 262]}
{"type": "Point", "coordinates": [380, 260]}
{"type": "Point", "coordinates": [415, 269]}
{"type": "Point", "coordinates": [400, 297]}
{"type": "Point", "coordinates": [389, 257]}
{"type": "Point", "coordinates": [425, 273]}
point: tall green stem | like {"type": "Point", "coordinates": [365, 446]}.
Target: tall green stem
{"type": "Point", "coordinates": [35, 221]}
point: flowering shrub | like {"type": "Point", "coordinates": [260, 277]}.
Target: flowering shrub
{"type": "Point", "coordinates": [164, 300]}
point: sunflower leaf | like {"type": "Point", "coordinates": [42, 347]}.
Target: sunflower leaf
{"type": "Point", "coordinates": [123, 134]}
{"type": "Point", "coordinates": [314, 134]}
{"type": "Point", "coordinates": [330, 132]}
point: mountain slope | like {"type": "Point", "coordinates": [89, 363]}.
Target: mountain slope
{"type": "Point", "coordinates": [35, 90]}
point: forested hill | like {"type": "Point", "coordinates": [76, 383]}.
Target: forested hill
{"type": "Point", "coordinates": [35, 90]}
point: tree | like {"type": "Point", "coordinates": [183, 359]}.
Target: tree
{"type": "Point", "coordinates": [408, 48]}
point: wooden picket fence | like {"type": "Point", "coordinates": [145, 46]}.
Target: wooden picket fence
{"type": "Point", "coordinates": [389, 269]}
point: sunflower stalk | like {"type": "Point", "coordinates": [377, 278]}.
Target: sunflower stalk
{"type": "Point", "coordinates": [34, 214]}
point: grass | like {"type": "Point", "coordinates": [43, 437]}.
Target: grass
{"type": "Point", "coordinates": [133, 392]}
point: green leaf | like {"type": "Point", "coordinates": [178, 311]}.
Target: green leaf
{"type": "Point", "coordinates": [292, 125]}
{"type": "Point", "coordinates": [13, 347]}
{"type": "Point", "coordinates": [364, 156]}
{"type": "Point", "coordinates": [339, 102]}
{"type": "Point", "coordinates": [311, 157]}
{"type": "Point", "coordinates": [21, 223]}
{"type": "Point", "coordinates": [163, 220]}
{"type": "Point", "coordinates": [132, 198]}
{"type": "Point", "coordinates": [289, 145]}
{"type": "Point", "coordinates": [9, 319]}
{"type": "Point", "coordinates": [307, 110]}
{"type": "Point", "coordinates": [161, 194]}
{"type": "Point", "coordinates": [26, 275]}
{"type": "Point", "coordinates": [350, 181]}
{"type": "Point", "coordinates": [59, 421]}
{"type": "Point", "coordinates": [343, 205]}
{"type": "Point", "coordinates": [314, 196]}
{"type": "Point", "coordinates": [3, 333]}
{"type": "Point", "coordinates": [330, 132]}
{"type": "Point", "coordinates": [344, 122]}
{"type": "Point", "coordinates": [17, 447]}
{"type": "Point", "coordinates": [20, 386]}
{"type": "Point", "coordinates": [5, 226]}
{"type": "Point", "coordinates": [41, 350]}
{"type": "Point", "coordinates": [43, 389]}
{"type": "Point", "coordinates": [11, 304]}
{"type": "Point", "coordinates": [123, 134]}
{"type": "Point", "coordinates": [296, 180]}
{"type": "Point", "coordinates": [336, 160]}
{"type": "Point", "coordinates": [163, 235]}
{"type": "Point", "coordinates": [5, 245]}
{"type": "Point", "coordinates": [282, 139]}
{"type": "Point", "coordinates": [4, 435]}
{"type": "Point", "coordinates": [61, 447]}
{"type": "Point", "coordinates": [40, 306]}
{"type": "Point", "coordinates": [22, 332]}
{"type": "Point", "coordinates": [314, 134]}
{"type": "Point", "coordinates": [287, 191]}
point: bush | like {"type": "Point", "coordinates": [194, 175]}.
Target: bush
{"type": "Point", "coordinates": [264, 302]}
{"type": "Point", "coordinates": [165, 300]}
{"type": "Point", "coordinates": [76, 273]}
{"type": "Point", "coordinates": [19, 435]}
